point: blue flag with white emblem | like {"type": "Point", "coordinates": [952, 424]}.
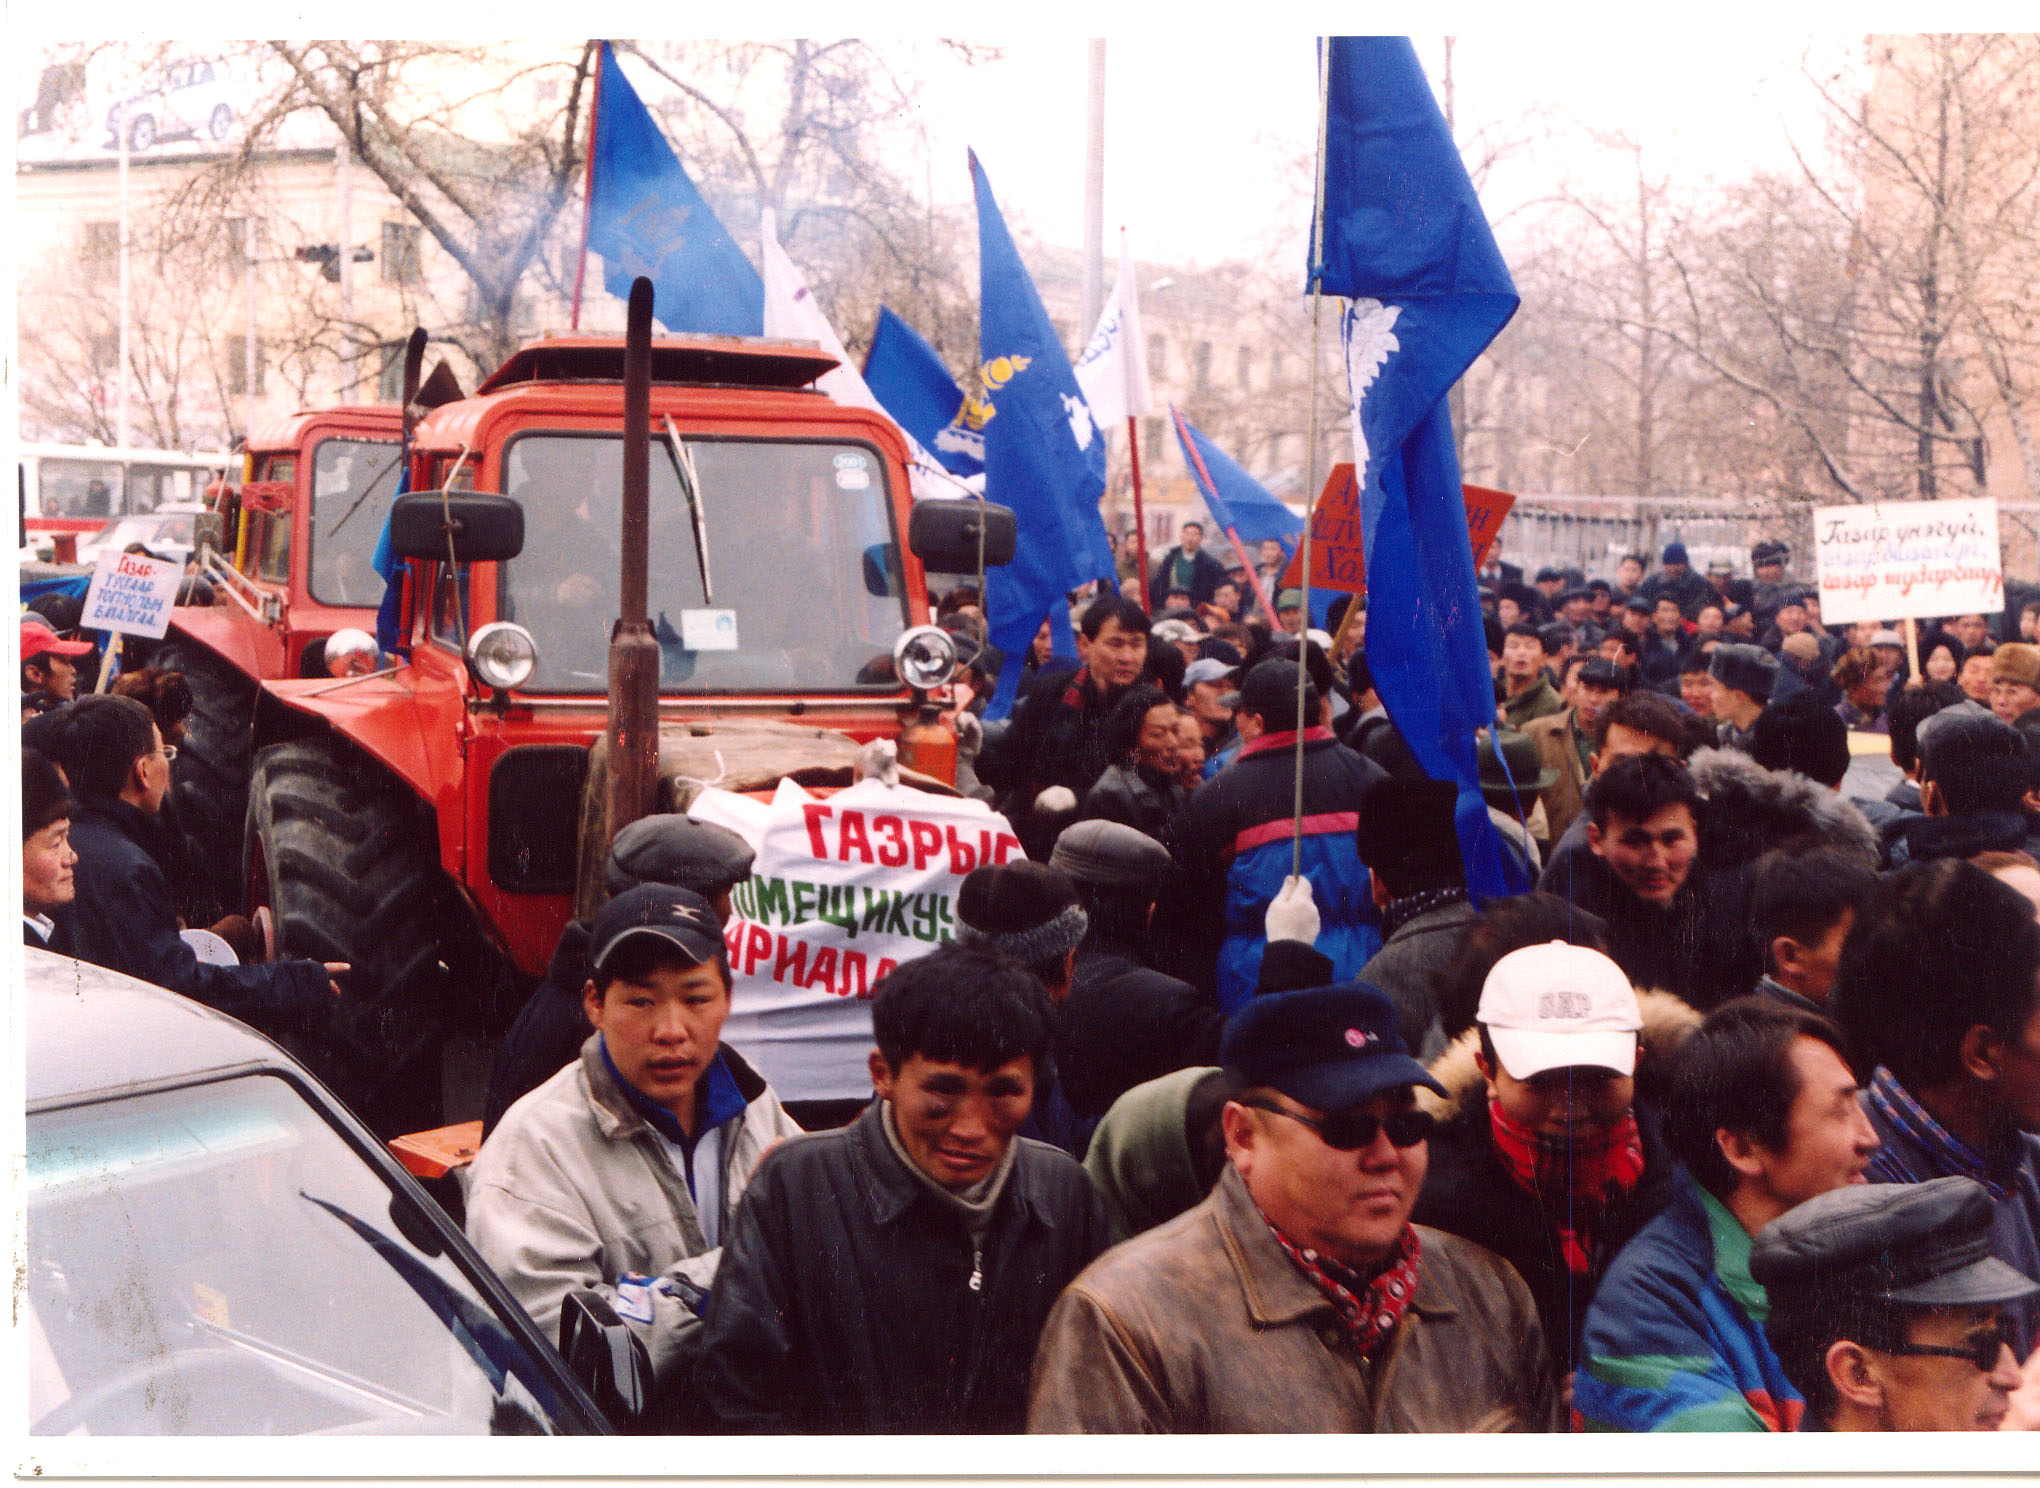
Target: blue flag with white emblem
{"type": "Point", "coordinates": [910, 382]}
{"type": "Point", "coordinates": [1236, 501]}
{"type": "Point", "coordinates": [646, 218]}
{"type": "Point", "coordinates": [1044, 457]}
{"type": "Point", "coordinates": [1406, 242]}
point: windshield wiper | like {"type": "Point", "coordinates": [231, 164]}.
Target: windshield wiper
{"type": "Point", "coordinates": [366, 491]}
{"type": "Point", "coordinates": [690, 487]}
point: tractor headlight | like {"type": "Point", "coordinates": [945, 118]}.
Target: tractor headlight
{"type": "Point", "coordinates": [925, 657]}
{"type": "Point", "coordinates": [502, 656]}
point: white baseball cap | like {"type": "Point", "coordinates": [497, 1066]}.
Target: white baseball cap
{"type": "Point", "coordinates": [1558, 1006]}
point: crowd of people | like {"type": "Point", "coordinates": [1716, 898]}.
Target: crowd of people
{"type": "Point", "coordinates": [1231, 1109]}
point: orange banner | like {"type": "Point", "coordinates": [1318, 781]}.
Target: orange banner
{"type": "Point", "coordinates": [1335, 559]}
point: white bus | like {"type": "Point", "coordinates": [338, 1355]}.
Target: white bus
{"type": "Point", "coordinates": [83, 488]}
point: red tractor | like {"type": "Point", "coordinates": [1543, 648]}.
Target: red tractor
{"type": "Point", "coordinates": [432, 820]}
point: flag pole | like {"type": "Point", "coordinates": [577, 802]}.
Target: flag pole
{"type": "Point", "coordinates": [588, 188]}
{"type": "Point", "coordinates": [1317, 269]}
{"type": "Point", "coordinates": [1139, 512]}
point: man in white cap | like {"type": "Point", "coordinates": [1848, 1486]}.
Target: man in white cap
{"type": "Point", "coordinates": [1544, 1156]}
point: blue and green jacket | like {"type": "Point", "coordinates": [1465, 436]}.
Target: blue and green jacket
{"type": "Point", "coordinates": [1674, 1339]}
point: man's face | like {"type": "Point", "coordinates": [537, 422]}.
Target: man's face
{"type": "Point", "coordinates": [1350, 1205]}
{"type": "Point", "coordinates": [1205, 704]}
{"type": "Point", "coordinates": [1869, 693]}
{"type": "Point", "coordinates": [1970, 630]}
{"type": "Point", "coordinates": [1812, 973]}
{"type": "Point", "coordinates": [1189, 749]}
{"type": "Point", "coordinates": [1044, 643]}
{"type": "Point", "coordinates": [1577, 607]}
{"type": "Point", "coordinates": [1522, 657]}
{"type": "Point", "coordinates": [1572, 1105]}
{"type": "Point", "coordinates": [1720, 580]}
{"type": "Point", "coordinates": [1932, 1392]}
{"type": "Point", "coordinates": [1292, 619]}
{"type": "Point", "coordinates": [1507, 611]}
{"type": "Point", "coordinates": [1116, 655]}
{"type": "Point", "coordinates": [1598, 604]}
{"type": "Point", "coordinates": [1549, 587]}
{"type": "Point", "coordinates": [1623, 742]}
{"type": "Point", "coordinates": [1635, 621]}
{"type": "Point", "coordinates": [1610, 649]}
{"type": "Point", "coordinates": [155, 773]}
{"type": "Point", "coordinates": [1667, 618]}
{"type": "Point", "coordinates": [1696, 690]}
{"type": "Point", "coordinates": [662, 1032]}
{"type": "Point", "coordinates": [1791, 619]}
{"type": "Point", "coordinates": [1651, 857]}
{"type": "Point", "coordinates": [2008, 699]}
{"type": "Point", "coordinates": [1828, 1140]}
{"type": "Point", "coordinates": [1271, 552]}
{"type": "Point", "coordinates": [1589, 699]}
{"type": "Point", "coordinates": [954, 1121]}
{"type": "Point", "coordinates": [1742, 627]}
{"type": "Point", "coordinates": [1192, 537]}
{"type": "Point", "coordinates": [59, 675]}
{"type": "Point", "coordinates": [1226, 596]}
{"type": "Point", "coordinates": [1155, 744]}
{"type": "Point", "coordinates": [2019, 1072]}
{"type": "Point", "coordinates": [1974, 679]}
{"type": "Point", "coordinates": [1629, 573]}
{"type": "Point", "coordinates": [1770, 571]}
{"type": "Point", "coordinates": [46, 860]}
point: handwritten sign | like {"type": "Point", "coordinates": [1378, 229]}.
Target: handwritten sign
{"type": "Point", "coordinates": [843, 889]}
{"type": "Point", "coordinates": [131, 594]}
{"type": "Point", "coordinates": [1336, 562]}
{"type": "Point", "coordinates": [1889, 560]}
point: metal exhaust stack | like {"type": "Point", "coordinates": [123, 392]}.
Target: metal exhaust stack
{"type": "Point", "coordinates": [414, 364]}
{"type": "Point", "coordinates": [632, 737]}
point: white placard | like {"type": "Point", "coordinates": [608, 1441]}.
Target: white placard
{"type": "Point", "coordinates": [1894, 559]}
{"type": "Point", "coordinates": [708, 630]}
{"type": "Point", "coordinates": [131, 594]}
{"type": "Point", "coordinates": [843, 890]}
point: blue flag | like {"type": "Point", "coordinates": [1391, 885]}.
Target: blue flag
{"type": "Point", "coordinates": [1406, 241]}
{"type": "Point", "coordinates": [1044, 457]}
{"type": "Point", "coordinates": [910, 382]}
{"type": "Point", "coordinates": [645, 217]}
{"type": "Point", "coordinates": [384, 562]}
{"type": "Point", "coordinates": [1236, 501]}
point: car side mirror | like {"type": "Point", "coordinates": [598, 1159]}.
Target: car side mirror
{"type": "Point", "coordinates": [944, 533]}
{"type": "Point", "coordinates": [611, 1362]}
{"type": "Point", "coordinates": [485, 528]}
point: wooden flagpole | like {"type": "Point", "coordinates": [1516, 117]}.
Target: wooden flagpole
{"type": "Point", "coordinates": [1139, 512]}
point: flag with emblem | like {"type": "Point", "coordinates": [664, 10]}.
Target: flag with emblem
{"type": "Point", "coordinates": [1406, 243]}
{"type": "Point", "coordinates": [646, 218]}
{"type": "Point", "coordinates": [1044, 457]}
{"type": "Point", "coordinates": [908, 378]}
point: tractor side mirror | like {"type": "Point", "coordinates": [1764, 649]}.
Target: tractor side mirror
{"type": "Point", "coordinates": [943, 534]}
{"type": "Point", "coordinates": [486, 528]}
{"type": "Point", "coordinates": [611, 1362]}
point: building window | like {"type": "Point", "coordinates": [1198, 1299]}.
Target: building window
{"type": "Point", "coordinates": [239, 249]}
{"type": "Point", "coordinates": [237, 366]}
{"type": "Point", "coordinates": [1158, 356]}
{"type": "Point", "coordinates": [1200, 362]}
{"type": "Point", "coordinates": [1246, 366]}
{"type": "Point", "coordinates": [1151, 436]}
{"type": "Point", "coordinates": [389, 377]}
{"type": "Point", "coordinates": [400, 252]}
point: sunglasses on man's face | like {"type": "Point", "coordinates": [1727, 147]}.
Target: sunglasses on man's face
{"type": "Point", "coordinates": [1352, 1129]}
{"type": "Point", "coordinates": [1981, 1349]}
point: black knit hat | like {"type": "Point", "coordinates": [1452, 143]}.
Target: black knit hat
{"type": "Point", "coordinates": [1802, 733]}
{"type": "Point", "coordinates": [44, 796]}
{"type": "Point", "coordinates": [1028, 911]}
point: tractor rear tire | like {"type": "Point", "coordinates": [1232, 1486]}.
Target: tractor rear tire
{"type": "Point", "coordinates": [347, 860]}
{"type": "Point", "coordinates": [209, 782]}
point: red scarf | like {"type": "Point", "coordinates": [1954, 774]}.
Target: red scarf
{"type": "Point", "coordinates": [1368, 1307]}
{"type": "Point", "coordinates": [1575, 1181]}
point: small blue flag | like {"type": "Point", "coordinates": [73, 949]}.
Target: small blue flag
{"type": "Point", "coordinates": [1044, 457]}
{"type": "Point", "coordinates": [910, 382]}
{"type": "Point", "coordinates": [646, 218]}
{"type": "Point", "coordinates": [1406, 241]}
{"type": "Point", "coordinates": [1237, 502]}
{"type": "Point", "coordinates": [384, 562]}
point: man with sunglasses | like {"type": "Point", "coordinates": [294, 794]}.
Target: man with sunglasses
{"type": "Point", "coordinates": [1298, 1296]}
{"type": "Point", "coordinates": [1888, 1309]}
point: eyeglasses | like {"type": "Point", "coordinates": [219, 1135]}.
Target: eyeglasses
{"type": "Point", "coordinates": [1984, 1350]}
{"type": "Point", "coordinates": [1350, 1130]}
{"type": "Point", "coordinates": [169, 753]}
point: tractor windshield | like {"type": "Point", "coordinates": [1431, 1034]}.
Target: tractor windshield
{"type": "Point", "coordinates": [804, 590]}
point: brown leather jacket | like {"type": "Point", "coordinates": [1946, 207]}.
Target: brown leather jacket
{"type": "Point", "coordinates": [1557, 739]}
{"type": "Point", "coordinates": [1206, 1325]}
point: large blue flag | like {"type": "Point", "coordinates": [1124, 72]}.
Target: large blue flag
{"type": "Point", "coordinates": [386, 563]}
{"type": "Point", "coordinates": [1406, 242]}
{"type": "Point", "coordinates": [909, 380]}
{"type": "Point", "coordinates": [645, 217]}
{"type": "Point", "coordinates": [1044, 457]}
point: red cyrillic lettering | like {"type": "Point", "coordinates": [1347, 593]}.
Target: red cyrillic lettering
{"type": "Point", "coordinates": [853, 838]}
{"type": "Point", "coordinates": [816, 813]}
{"type": "Point", "coordinates": [927, 839]}
{"type": "Point", "coordinates": [962, 856]}
{"type": "Point", "coordinates": [790, 953]}
{"type": "Point", "coordinates": [892, 851]}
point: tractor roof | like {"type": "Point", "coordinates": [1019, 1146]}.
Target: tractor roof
{"type": "Point", "coordinates": [726, 361]}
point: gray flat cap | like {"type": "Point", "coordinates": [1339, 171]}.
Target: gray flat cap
{"type": "Point", "coordinates": [1109, 854]}
{"type": "Point", "coordinates": [674, 849]}
{"type": "Point", "coordinates": [1921, 1244]}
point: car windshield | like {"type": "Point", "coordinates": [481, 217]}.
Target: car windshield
{"type": "Point", "coordinates": [353, 483]}
{"type": "Point", "coordinates": [216, 1260]}
{"type": "Point", "coordinates": [170, 529]}
{"type": "Point", "coordinates": [803, 563]}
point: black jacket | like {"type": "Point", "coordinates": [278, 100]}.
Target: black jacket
{"type": "Point", "coordinates": [1136, 797]}
{"type": "Point", "coordinates": [1206, 574]}
{"type": "Point", "coordinates": [548, 1032]}
{"type": "Point", "coordinates": [1697, 947]}
{"type": "Point", "coordinates": [844, 1305]}
{"type": "Point", "coordinates": [124, 918]}
{"type": "Point", "coordinates": [1468, 1193]}
{"type": "Point", "coordinates": [1125, 1023]}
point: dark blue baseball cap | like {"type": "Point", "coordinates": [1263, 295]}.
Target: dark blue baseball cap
{"type": "Point", "coordinates": [1324, 1047]}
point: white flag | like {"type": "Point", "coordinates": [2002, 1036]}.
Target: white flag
{"type": "Point", "coordinates": [791, 314]}
{"type": "Point", "coordinates": [1113, 369]}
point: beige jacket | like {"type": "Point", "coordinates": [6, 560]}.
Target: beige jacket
{"type": "Point", "coordinates": [573, 1188]}
{"type": "Point", "coordinates": [1558, 749]}
{"type": "Point", "coordinates": [1205, 1325]}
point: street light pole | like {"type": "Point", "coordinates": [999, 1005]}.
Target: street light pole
{"type": "Point", "coordinates": [120, 439]}
{"type": "Point", "coordinates": [1094, 194]}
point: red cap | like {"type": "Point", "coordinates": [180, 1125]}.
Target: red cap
{"type": "Point", "coordinates": [37, 639]}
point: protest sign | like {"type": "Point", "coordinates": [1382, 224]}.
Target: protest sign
{"type": "Point", "coordinates": [1336, 561]}
{"type": "Point", "coordinates": [1894, 560]}
{"type": "Point", "coordinates": [132, 595]}
{"type": "Point", "coordinates": [843, 890]}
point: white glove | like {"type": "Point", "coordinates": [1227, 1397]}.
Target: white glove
{"type": "Point", "coordinates": [1293, 914]}
{"type": "Point", "coordinates": [879, 760]}
{"type": "Point", "coordinates": [970, 735]}
{"type": "Point", "coordinates": [1056, 799]}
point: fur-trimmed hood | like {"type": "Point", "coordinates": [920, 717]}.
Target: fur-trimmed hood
{"type": "Point", "coordinates": [1667, 1020]}
{"type": "Point", "coordinates": [1751, 810]}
